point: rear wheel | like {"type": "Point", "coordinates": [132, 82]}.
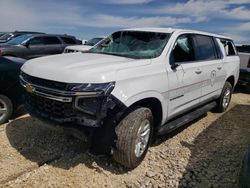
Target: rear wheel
{"type": "Point", "coordinates": [225, 98]}
{"type": "Point", "coordinates": [133, 137]}
{"type": "Point", "coordinates": [6, 109]}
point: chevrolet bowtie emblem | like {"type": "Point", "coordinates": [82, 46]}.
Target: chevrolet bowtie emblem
{"type": "Point", "coordinates": [29, 88]}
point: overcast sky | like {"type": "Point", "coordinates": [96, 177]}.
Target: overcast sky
{"type": "Point", "coordinates": [90, 18]}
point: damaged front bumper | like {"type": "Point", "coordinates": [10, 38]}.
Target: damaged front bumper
{"type": "Point", "coordinates": [48, 101]}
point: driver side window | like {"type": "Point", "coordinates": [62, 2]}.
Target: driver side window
{"type": "Point", "coordinates": [184, 49]}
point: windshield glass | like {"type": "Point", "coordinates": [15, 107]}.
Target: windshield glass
{"type": "Point", "coordinates": [133, 44]}
{"type": "Point", "coordinates": [19, 39]}
{"type": "Point", "coordinates": [93, 41]}
{"type": "Point", "coordinates": [5, 36]}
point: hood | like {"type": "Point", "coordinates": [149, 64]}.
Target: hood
{"type": "Point", "coordinates": [80, 67]}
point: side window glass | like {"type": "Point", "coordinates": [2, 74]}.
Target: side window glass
{"type": "Point", "coordinates": [51, 40]}
{"type": "Point", "coordinates": [228, 47]}
{"type": "Point", "coordinates": [205, 47]}
{"type": "Point", "coordinates": [36, 41]}
{"type": "Point", "coordinates": [183, 50]}
{"type": "Point", "coordinates": [68, 40]}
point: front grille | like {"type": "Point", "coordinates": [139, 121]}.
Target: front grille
{"type": "Point", "coordinates": [44, 82]}
{"type": "Point", "coordinates": [49, 108]}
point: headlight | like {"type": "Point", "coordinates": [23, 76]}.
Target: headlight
{"type": "Point", "coordinates": [106, 88]}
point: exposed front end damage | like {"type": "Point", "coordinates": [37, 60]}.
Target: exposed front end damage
{"type": "Point", "coordinates": [64, 104]}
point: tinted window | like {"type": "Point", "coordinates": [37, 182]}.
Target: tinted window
{"type": "Point", "coordinates": [243, 48]}
{"type": "Point", "coordinates": [68, 40]}
{"type": "Point", "coordinates": [205, 48]}
{"type": "Point", "coordinates": [37, 41]}
{"type": "Point", "coordinates": [183, 50]}
{"type": "Point", "coordinates": [228, 47]}
{"type": "Point", "coordinates": [51, 40]}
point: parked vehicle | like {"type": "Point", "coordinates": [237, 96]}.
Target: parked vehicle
{"type": "Point", "coordinates": [36, 45]}
{"type": "Point", "coordinates": [10, 88]}
{"type": "Point", "coordinates": [10, 35]}
{"type": "Point", "coordinates": [135, 84]}
{"type": "Point", "coordinates": [82, 48]}
{"type": "Point", "coordinates": [1, 34]}
{"type": "Point", "coordinates": [244, 53]}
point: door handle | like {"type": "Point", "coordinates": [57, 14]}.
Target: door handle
{"type": "Point", "coordinates": [219, 68]}
{"type": "Point", "coordinates": [198, 71]}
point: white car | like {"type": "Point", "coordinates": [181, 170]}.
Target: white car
{"type": "Point", "coordinates": [244, 54]}
{"type": "Point", "coordinates": [83, 48]}
{"type": "Point", "coordinates": [135, 84]}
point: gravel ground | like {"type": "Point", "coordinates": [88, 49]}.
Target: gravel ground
{"type": "Point", "coordinates": [205, 153]}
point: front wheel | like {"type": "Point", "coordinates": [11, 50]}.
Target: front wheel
{"type": "Point", "coordinates": [6, 109]}
{"type": "Point", "coordinates": [225, 98]}
{"type": "Point", "coordinates": [133, 137]}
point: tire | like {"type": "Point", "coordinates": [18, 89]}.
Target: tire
{"type": "Point", "coordinates": [128, 151]}
{"type": "Point", "coordinates": [225, 98]}
{"type": "Point", "coordinates": [6, 109]}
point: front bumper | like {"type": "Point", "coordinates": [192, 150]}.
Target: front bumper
{"type": "Point", "coordinates": [47, 101]}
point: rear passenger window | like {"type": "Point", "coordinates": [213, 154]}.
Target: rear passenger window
{"type": "Point", "coordinates": [68, 40]}
{"type": "Point", "coordinates": [183, 50]}
{"type": "Point", "coordinates": [229, 47]}
{"type": "Point", "coordinates": [51, 40]}
{"type": "Point", "coordinates": [206, 49]}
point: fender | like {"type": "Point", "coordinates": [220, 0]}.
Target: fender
{"type": "Point", "coordinates": [144, 95]}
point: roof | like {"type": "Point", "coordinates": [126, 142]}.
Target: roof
{"type": "Point", "coordinates": [172, 30]}
{"type": "Point", "coordinates": [49, 35]}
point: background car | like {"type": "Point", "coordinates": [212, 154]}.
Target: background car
{"type": "Point", "coordinates": [244, 54]}
{"type": "Point", "coordinates": [81, 48]}
{"type": "Point", "coordinates": [36, 45]}
{"type": "Point", "coordinates": [1, 34]}
{"type": "Point", "coordinates": [10, 88]}
{"type": "Point", "coordinates": [10, 35]}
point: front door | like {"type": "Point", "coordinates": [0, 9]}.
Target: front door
{"type": "Point", "coordinates": [185, 80]}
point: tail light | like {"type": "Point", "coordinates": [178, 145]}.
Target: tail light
{"type": "Point", "coordinates": [248, 65]}
{"type": "Point", "coordinates": [0, 52]}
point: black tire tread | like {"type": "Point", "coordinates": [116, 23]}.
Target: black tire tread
{"type": "Point", "coordinates": [127, 133]}
{"type": "Point", "coordinates": [9, 108]}
{"type": "Point", "coordinates": [219, 108]}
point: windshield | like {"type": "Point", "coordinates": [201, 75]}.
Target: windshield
{"type": "Point", "coordinates": [93, 41]}
{"type": "Point", "coordinates": [19, 39]}
{"type": "Point", "coordinates": [5, 36]}
{"type": "Point", "coordinates": [133, 44]}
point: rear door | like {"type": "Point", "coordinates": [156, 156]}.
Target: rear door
{"type": "Point", "coordinates": [52, 45]}
{"type": "Point", "coordinates": [185, 81]}
{"type": "Point", "coordinates": [211, 62]}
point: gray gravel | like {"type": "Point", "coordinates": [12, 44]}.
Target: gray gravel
{"type": "Point", "coordinates": [206, 153]}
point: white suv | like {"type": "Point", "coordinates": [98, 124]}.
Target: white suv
{"type": "Point", "coordinates": [135, 84]}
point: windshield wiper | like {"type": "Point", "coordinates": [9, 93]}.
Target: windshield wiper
{"type": "Point", "coordinates": [120, 55]}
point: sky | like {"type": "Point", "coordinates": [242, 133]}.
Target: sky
{"type": "Point", "coordinates": [90, 18]}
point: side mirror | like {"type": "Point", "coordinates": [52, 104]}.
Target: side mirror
{"type": "Point", "coordinates": [173, 64]}
{"type": "Point", "coordinates": [26, 44]}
